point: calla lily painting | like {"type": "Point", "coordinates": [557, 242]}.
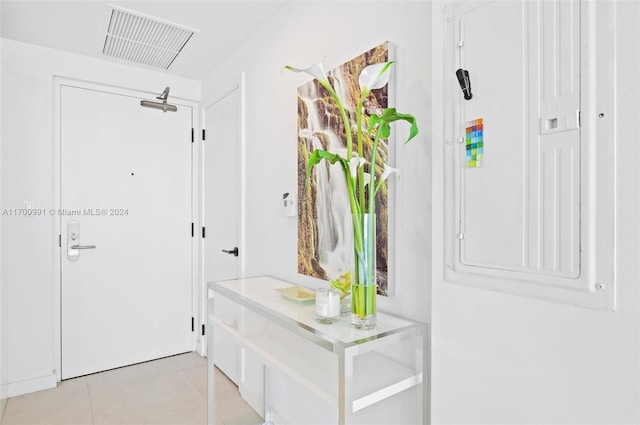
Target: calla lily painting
{"type": "Point", "coordinates": [324, 206]}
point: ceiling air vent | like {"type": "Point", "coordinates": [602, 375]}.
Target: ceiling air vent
{"type": "Point", "coordinates": [138, 38]}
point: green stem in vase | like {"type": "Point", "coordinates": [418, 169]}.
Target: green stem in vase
{"type": "Point", "coordinates": [361, 190]}
{"type": "Point", "coordinates": [363, 284]}
{"type": "Point", "coordinates": [363, 299]}
{"type": "Point", "coordinates": [373, 293]}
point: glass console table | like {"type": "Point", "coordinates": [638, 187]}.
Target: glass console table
{"type": "Point", "coordinates": [316, 373]}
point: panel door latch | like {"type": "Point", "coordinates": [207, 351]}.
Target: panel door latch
{"type": "Point", "coordinates": [465, 83]}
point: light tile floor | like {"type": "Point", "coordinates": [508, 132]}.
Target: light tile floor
{"type": "Point", "coordinates": [168, 391]}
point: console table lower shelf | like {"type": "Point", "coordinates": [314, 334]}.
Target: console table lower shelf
{"type": "Point", "coordinates": [315, 373]}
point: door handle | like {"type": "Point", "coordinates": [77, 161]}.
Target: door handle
{"type": "Point", "coordinates": [73, 241]}
{"type": "Point", "coordinates": [233, 251]}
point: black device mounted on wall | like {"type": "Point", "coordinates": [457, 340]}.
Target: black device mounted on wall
{"type": "Point", "coordinates": [465, 83]}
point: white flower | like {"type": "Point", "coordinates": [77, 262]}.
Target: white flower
{"type": "Point", "coordinates": [367, 178]}
{"type": "Point", "coordinates": [316, 71]}
{"type": "Point", "coordinates": [355, 163]}
{"type": "Point", "coordinates": [374, 76]}
{"type": "Point", "coordinates": [387, 171]}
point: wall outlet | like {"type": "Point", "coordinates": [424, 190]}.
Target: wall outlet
{"type": "Point", "coordinates": [289, 205]}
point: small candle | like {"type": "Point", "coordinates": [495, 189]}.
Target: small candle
{"type": "Point", "coordinates": [327, 305]}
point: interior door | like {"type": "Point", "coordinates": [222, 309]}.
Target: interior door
{"type": "Point", "coordinates": [223, 217]}
{"type": "Point", "coordinates": [126, 231]}
{"type": "Point", "coordinates": [222, 188]}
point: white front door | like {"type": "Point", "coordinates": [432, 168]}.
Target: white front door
{"type": "Point", "coordinates": [125, 196]}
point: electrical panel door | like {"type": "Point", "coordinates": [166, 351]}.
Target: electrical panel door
{"type": "Point", "coordinates": [519, 162]}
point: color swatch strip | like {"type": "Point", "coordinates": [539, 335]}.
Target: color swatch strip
{"type": "Point", "coordinates": [474, 143]}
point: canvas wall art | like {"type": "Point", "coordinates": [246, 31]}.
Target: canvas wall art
{"type": "Point", "coordinates": [324, 250]}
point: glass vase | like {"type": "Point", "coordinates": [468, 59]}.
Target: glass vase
{"type": "Point", "coordinates": [363, 277]}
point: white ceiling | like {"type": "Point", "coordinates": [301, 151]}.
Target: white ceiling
{"type": "Point", "coordinates": [80, 26]}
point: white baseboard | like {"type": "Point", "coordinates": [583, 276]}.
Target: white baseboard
{"type": "Point", "coordinates": [32, 385]}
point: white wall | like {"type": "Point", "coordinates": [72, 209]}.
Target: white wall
{"type": "Point", "coordinates": [302, 34]}
{"type": "Point", "coordinates": [27, 167]}
{"type": "Point", "coordinates": [500, 358]}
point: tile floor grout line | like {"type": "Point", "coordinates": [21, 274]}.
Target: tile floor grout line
{"type": "Point", "coordinates": [86, 383]}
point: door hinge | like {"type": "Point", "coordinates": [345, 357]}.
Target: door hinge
{"type": "Point", "coordinates": [193, 135]}
{"type": "Point", "coordinates": [461, 236]}
{"type": "Point", "coordinates": [60, 241]}
{"type": "Point", "coordinates": [203, 329]}
{"type": "Point", "coordinates": [193, 230]}
{"type": "Point", "coordinates": [460, 43]}
{"type": "Point", "coordinates": [203, 233]}
{"type": "Point", "coordinates": [193, 324]}
{"type": "Point", "coordinates": [203, 134]}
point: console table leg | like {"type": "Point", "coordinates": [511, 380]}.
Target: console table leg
{"type": "Point", "coordinates": [267, 407]}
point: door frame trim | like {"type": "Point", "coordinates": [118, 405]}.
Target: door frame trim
{"type": "Point", "coordinates": [194, 105]}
